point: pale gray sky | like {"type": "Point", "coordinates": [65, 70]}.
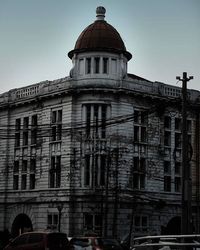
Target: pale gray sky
{"type": "Point", "coordinates": [36, 35]}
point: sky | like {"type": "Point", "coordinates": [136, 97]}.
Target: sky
{"type": "Point", "coordinates": [36, 35]}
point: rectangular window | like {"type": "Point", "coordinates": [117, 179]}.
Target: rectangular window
{"type": "Point", "coordinates": [32, 181]}
{"type": "Point", "coordinates": [143, 134]}
{"type": "Point", "coordinates": [96, 69]}
{"type": "Point", "coordinates": [167, 122]}
{"type": "Point", "coordinates": [140, 126]}
{"type": "Point", "coordinates": [113, 66]}
{"type": "Point", "coordinates": [26, 123]}
{"type": "Point", "coordinates": [139, 169]}
{"type": "Point", "coordinates": [16, 175]}
{"type": "Point", "coordinates": [167, 138]}
{"type": "Point", "coordinates": [167, 167]}
{"type": "Point", "coordinates": [93, 222]}
{"type": "Point", "coordinates": [95, 120]}
{"type": "Point", "coordinates": [143, 117]}
{"type": "Point", "coordinates": [25, 131]}
{"type": "Point", "coordinates": [56, 125]}
{"type": "Point", "coordinates": [167, 183]}
{"type": "Point", "coordinates": [23, 181]}
{"type": "Point", "coordinates": [177, 168]}
{"type": "Point", "coordinates": [105, 65]}
{"type": "Point", "coordinates": [177, 183]}
{"type": "Point", "coordinates": [24, 175]}
{"type": "Point", "coordinates": [55, 172]}
{"type": "Point", "coordinates": [34, 129]}
{"type": "Point", "coordinates": [103, 121]}
{"type": "Point", "coordinates": [18, 124]}
{"type": "Point", "coordinates": [177, 140]}
{"type": "Point", "coordinates": [136, 116]}
{"type": "Point", "coordinates": [88, 65]}
{"type": "Point", "coordinates": [32, 173]}
{"type": "Point", "coordinates": [141, 223]}
{"type": "Point", "coordinates": [52, 221]}
{"type": "Point", "coordinates": [136, 133]}
{"type": "Point", "coordinates": [100, 168]}
{"type": "Point", "coordinates": [17, 132]}
{"type": "Point", "coordinates": [87, 174]}
{"type": "Point", "coordinates": [81, 67]}
{"type": "Point", "coordinates": [15, 182]}
{"type": "Point", "coordinates": [24, 166]}
{"type": "Point", "coordinates": [178, 124]}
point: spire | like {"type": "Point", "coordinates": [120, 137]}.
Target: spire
{"type": "Point", "coordinates": [100, 11]}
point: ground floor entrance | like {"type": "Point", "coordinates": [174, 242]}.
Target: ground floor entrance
{"type": "Point", "coordinates": [21, 224]}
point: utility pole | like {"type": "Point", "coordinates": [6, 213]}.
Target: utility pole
{"type": "Point", "coordinates": [186, 216]}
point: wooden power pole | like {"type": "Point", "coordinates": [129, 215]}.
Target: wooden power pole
{"type": "Point", "coordinates": [186, 216]}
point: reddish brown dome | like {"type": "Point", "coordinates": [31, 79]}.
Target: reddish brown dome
{"type": "Point", "coordinates": [100, 36]}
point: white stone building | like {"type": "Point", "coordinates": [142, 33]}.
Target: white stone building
{"type": "Point", "coordinates": [98, 151]}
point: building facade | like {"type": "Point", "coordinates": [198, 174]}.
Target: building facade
{"type": "Point", "coordinates": [99, 151]}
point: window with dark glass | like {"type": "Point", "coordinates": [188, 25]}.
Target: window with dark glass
{"type": "Point", "coordinates": [167, 138]}
{"type": "Point", "coordinates": [143, 134]}
{"type": "Point", "coordinates": [140, 223]}
{"type": "Point", "coordinates": [143, 117]}
{"type": "Point", "coordinates": [35, 238]}
{"type": "Point", "coordinates": [17, 132]}
{"type": "Point", "coordinates": [167, 167]}
{"type": "Point", "coordinates": [105, 65]}
{"type": "Point", "coordinates": [140, 126]}
{"type": "Point", "coordinates": [24, 166]}
{"type": "Point", "coordinates": [167, 183]}
{"type": "Point", "coordinates": [177, 167]}
{"type": "Point", "coordinates": [178, 140]}
{"type": "Point", "coordinates": [52, 221]}
{"type": "Point", "coordinates": [167, 122]}
{"type": "Point", "coordinates": [100, 168]}
{"type": "Point", "coordinates": [93, 222]}
{"type": "Point", "coordinates": [103, 121]}
{"type": "Point", "coordinates": [139, 168]}
{"type": "Point", "coordinates": [16, 175]}
{"type": "Point", "coordinates": [25, 131]}
{"type": "Point", "coordinates": [24, 175]}
{"type": "Point", "coordinates": [136, 133]}
{"type": "Point", "coordinates": [34, 129]}
{"type": "Point", "coordinates": [178, 124]}
{"type": "Point", "coordinates": [55, 172]}
{"type": "Point", "coordinates": [97, 61]}
{"type": "Point", "coordinates": [32, 173]}
{"type": "Point", "coordinates": [177, 184]}
{"type": "Point", "coordinates": [87, 174]}
{"type": "Point", "coordinates": [56, 125]}
{"type": "Point", "coordinates": [88, 65]}
{"type": "Point", "coordinates": [136, 116]}
{"type": "Point", "coordinates": [23, 181]}
{"type": "Point", "coordinates": [96, 120]}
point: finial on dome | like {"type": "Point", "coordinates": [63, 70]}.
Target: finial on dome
{"type": "Point", "coordinates": [100, 11]}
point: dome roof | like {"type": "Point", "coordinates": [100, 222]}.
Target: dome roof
{"type": "Point", "coordinates": [100, 36]}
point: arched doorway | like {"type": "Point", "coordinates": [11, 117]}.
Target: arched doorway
{"type": "Point", "coordinates": [21, 224]}
{"type": "Point", "coordinates": [174, 226]}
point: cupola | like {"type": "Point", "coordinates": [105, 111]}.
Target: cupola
{"type": "Point", "coordinates": [97, 46]}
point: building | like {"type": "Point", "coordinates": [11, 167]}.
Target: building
{"type": "Point", "coordinates": [98, 151]}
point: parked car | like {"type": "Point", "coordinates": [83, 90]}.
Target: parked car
{"type": "Point", "coordinates": [94, 243]}
{"type": "Point", "coordinates": [39, 241]}
{"type": "Point", "coordinates": [167, 242]}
